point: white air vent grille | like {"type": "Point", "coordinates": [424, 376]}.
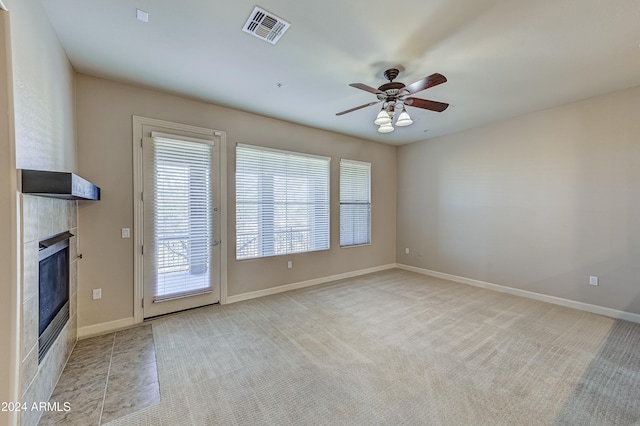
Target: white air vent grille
{"type": "Point", "coordinates": [265, 25]}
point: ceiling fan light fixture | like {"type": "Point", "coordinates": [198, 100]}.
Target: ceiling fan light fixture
{"type": "Point", "coordinates": [404, 119]}
{"type": "Point", "coordinates": [382, 118]}
{"type": "Point", "coordinates": [394, 95]}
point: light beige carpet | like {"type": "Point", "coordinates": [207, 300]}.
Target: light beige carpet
{"type": "Point", "coordinates": [394, 348]}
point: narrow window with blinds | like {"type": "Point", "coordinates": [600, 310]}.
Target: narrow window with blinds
{"type": "Point", "coordinates": [282, 202]}
{"type": "Point", "coordinates": [355, 203]}
{"type": "Point", "coordinates": [182, 217]}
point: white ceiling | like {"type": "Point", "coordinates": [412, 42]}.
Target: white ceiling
{"type": "Point", "coordinates": [502, 58]}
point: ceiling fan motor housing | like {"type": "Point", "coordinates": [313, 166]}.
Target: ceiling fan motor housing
{"type": "Point", "coordinates": [391, 86]}
{"type": "Point", "coordinates": [391, 89]}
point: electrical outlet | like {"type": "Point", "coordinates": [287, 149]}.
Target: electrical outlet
{"type": "Point", "coordinates": [406, 250]}
{"type": "Point", "coordinates": [97, 293]}
{"type": "Point", "coordinates": [290, 264]}
{"type": "Point", "coordinates": [593, 280]}
{"type": "Point", "coordinates": [126, 233]}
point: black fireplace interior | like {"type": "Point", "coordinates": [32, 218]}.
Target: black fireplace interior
{"type": "Point", "coordinates": [54, 290]}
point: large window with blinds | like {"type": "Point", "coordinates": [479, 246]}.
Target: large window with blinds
{"type": "Point", "coordinates": [355, 203]}
{"type": "Point", "coordinates": [282, 202]}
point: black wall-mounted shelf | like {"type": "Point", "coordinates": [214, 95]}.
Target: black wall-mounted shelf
{"type": "Point", "coordinates": [68, 186]}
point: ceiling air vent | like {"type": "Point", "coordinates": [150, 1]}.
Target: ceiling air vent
{"type": "Point", "coordinates": [265, 25]}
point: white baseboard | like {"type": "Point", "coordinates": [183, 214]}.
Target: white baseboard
{"type": "Point", "coordinates": [105, 327]}
{"type": "Point", "coordinates": [303, 284]}
{"type": "Point", "coordinates": [595, 309]}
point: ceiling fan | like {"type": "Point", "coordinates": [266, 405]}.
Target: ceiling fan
{"type": "Point", "coordinates": [395, 95]}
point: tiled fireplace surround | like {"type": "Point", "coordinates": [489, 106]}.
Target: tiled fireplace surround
{"type": "Point", "coordinates": [43, 217]}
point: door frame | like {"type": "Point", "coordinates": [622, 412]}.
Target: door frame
{"type": "Point", "coordinates": [138, 212]}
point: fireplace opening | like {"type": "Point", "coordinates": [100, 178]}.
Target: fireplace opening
{"type": "Point", "coordinates": [53, 296]}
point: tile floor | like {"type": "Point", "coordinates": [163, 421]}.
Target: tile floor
{"type": "Point", "coordinates": [107, 377]}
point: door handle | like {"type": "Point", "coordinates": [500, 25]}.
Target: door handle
{"type": "Point", "coordinates": [215, 243]}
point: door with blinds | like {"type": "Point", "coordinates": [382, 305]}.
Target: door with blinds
{"type": "Point", "coordinates": [181, 252]}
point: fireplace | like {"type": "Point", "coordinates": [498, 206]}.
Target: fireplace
{"type": "Point", "coordinates": [53, 282]}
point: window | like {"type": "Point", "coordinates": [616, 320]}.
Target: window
{"type": "Point", "coordinates": [282, 202]}
{"type": "Point", "coordinates": [355, 203]}
{"type": "Point", "coordinates": [182, 210]}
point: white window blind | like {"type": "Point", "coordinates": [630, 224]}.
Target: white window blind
{"type": "Point", "coordinates": [182, 219]}
{"type": "Point", "coordinates": [355, 203]}
{"type": "Point", "coordinates": [282, 202]}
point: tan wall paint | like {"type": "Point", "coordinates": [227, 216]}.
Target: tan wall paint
{"type": "Point", "coordinates": [43, 82]}
{"type": "Point", "coordinates": [10, 303]}
{"type": "Point", "coordinates": [43, 129]}
{"type": "Point", "coordinates": [538, 203]}
{"type": "Point", "coordinates": [104, 123]}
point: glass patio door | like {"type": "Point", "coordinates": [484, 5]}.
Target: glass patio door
{"type": "Point", "coordinates": [180, 198]}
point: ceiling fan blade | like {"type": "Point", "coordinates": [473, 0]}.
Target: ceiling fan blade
{"type": "Point", "coordinates": [426, 104]}
{"type": "Point", "coordinates": [357, 108]}
{"type": "Point", "coordinates": [425, 83]}
{"type": "Point", "coordinates": [366, 88]}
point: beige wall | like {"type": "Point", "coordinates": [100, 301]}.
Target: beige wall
{"type": "Point", "coordinates": [538, 203]}
{"type": "Point", "coordinates": [43, 82]}
{"type": "Point", "coordinates": [43, 125]}
{"type": "Point", "coordinates": [9, 284]}
{"type": "Point", "coordinates": [104, 123]}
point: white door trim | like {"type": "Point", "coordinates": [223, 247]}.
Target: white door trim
{"type": "Point", "coordinates": [138, 213]}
